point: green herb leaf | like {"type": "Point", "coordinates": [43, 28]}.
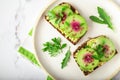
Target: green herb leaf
{"type": "Point", "coordinates": [61, 14]}
{"type": "Point", "coordinates": [54, 46]}
{"type": "Point", "coordinates": [96, 19]}
{"type": "Point", "coordinates": [51, 15]}
{"type": "Point", "coordinates": [64, 8]}
{"type": "Point", "coordinates": [70, 13]}
{"type": "Point", "coordinates": [99, 49]}
{"type": "Point", "coordinates": [57, 40]}
{"type": "Point", "coordinates": [66, 59]}
{"type": "Point", "coordinates": [31, 32]}
{"type": "Point", "coordinates": [82, 24]}
{"type": "Point", "coordinates": [63, 46]}
{"type": "Point", "coordinates": [58, 20]}
{"type": "Point", "coordinates": [96, 57]}
{"type": "Point", "coordinates": [104, 18]}
{"type": "Point", "coordinates": [67, 23]}
{"type": "Point", "coordinates": [49, 78]}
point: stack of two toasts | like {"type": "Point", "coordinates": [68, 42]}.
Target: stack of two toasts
{"type": "Point", "coordinates": [91, 54]}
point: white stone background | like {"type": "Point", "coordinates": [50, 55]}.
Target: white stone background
{"type": "Point", "coordinates": [16, 19]}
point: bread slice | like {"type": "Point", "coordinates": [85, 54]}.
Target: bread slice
{"type": "Point", "coordinates": [83, 55]}
{"type": "Point", "coordinates": [67, 21]}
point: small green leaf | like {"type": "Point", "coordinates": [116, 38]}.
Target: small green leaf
{"type": "Point", "coordinates": [82, 24]}
{"type": "Point", "coordinates": [99, 49]}
{"type": "Point", "coordinates": [87, 46]}
{"type": "Point", "coordinates": [104, 18]}
{"type": "Point", "coordinates": [66, 59]}
{"type": "Point", "coordinates": [49, 78]}
{"type": "Point", "coordinates": [45, 49]}
{"type": "Point", "coordinates": [70, 13]}
{"type": "Point", "coordinates": [31, 32]}
{"type": "Point", "coordinates": [95, 57]}
{"type": "Point", "coordinates": [64, 8]}
{"type": "Point", "coordinates": [63, 46]}
{"type": "Point", "coordinates": [61, 14]}
{"type": "Point", "coordinates": [67, 23]}
{"type": "Point", "coordinates": [96, 19]}
{"type": "Point", "coordinates": [58, 20]}
{"type": "Point", "coordinates": [51, 15]}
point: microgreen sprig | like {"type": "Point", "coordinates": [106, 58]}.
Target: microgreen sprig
{"type": "Point", "coordinates": [54, 47]}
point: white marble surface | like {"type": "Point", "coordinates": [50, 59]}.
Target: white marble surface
{"type": "Point", "coordinates": [16, 19]}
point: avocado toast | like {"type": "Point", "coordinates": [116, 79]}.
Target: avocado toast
{"type": "Point", "coordinates": [94, 53]}
{"type": "Point", "coordinates": [67, 20]}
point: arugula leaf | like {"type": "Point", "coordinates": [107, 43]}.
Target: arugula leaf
{"type": "Point", "coordinates": [103, 18]}
{"type": "Point", "coordinates": [63, 46]}
{"type": "Point", "coordinates": [66, 59]}
{"type": "Point", "coordinates": [54, 47]}
{"type": "Point", "coordinates": [96, 19]}
{"type": "Point", "coordinates": [30, 32]}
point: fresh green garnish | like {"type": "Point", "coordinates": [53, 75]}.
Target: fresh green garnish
{"type": "Point", "coordinates": [58, 20]}
{"type": "Point", "coordinates": [103, 18]}
{"type": "Point", "coordinates": [96, 19]}
{"type": "Point", "coordinates": [54, 47]}
{"type": "Point", "coordinates": [69, 14]}
{"type": "Point", "coordinates": [67, 23]}
{"type": "Point", "coordinates": [31, 32]}
{"type": "Point", "coordinates": [66, 59]}
{"type": "Point", "coordinates": [61, 14]}
{"type": "Point", "coordinates": [99, 49]}
{"type": "Point", "coordinates": [64, 8]}
{"type": "Point", "coordinates": [49, 78]}
{"type": "Point", "coordinates": [51, 15]}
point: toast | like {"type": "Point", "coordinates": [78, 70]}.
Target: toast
{"type": "Point", "coordinates": [67, 21]}
{"type": "Point", "coordinates": [94, 53]}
